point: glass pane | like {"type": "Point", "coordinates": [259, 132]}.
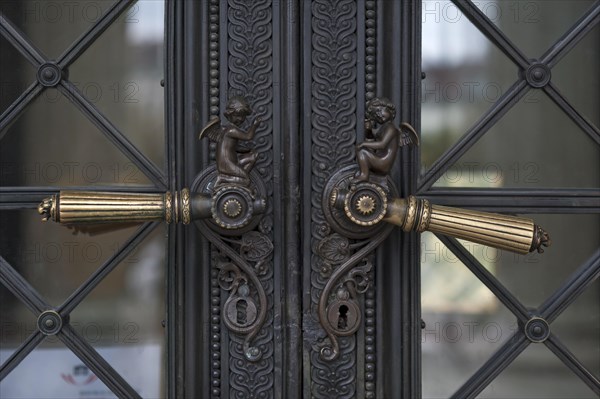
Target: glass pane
{"type": "Point", "coordinates": [577, 72]}
{"type": "Point", "coordinates": [465, 323]}
{"type": "Point", "coordinates": [17, 74]}
{"type": "Point", "coordinates": [66, 378]}
{"type": "Point", "coordinates": [534, 26]}
{"type": "Point", "coordinates": [121, 73]}
{"type": "Point", "coordinates": [535, 145]}
{"type": "Point", "coordinates": [17, 322]}
{"type": "Point", "coordinates": [465, 76]}
{"type": "Point", "coordinates": [53, 258]}
{"type": "Point", "coordinates": [53, 25]}
{"type": "Point", "coordinates": [124, 314]}
{"type": "Point", "coordinates": [55, 144]}
{"type": "Point", "coordinates": [578, 327]}
{"type": "Point", "coordinates": [534, 277]}
{"type": "Point", "coordinates": [537, 373]}
{"type": "Point", "coordinates": [447, 284]}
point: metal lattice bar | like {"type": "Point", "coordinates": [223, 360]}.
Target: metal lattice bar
{"type": "Point", "coordinates": [518, 200]}
{"type": "Point", "coordinates": [21, 288]}
{"type": "Point", "coordinates": [562, 298]}
{"type": "Point", "coordinates": [493, 367]}
{"type": "Point", "coordinates": [21, 353]}
{"type": "Point", "coordinates": [572, 288]}
{"type": "Point", "coordinates": [552, 91]}
{"type": "Point", "coordinates": [525, 201]}
{"type": "Point", "coordinates": [21, 42]}
{"type": "Point", "coordinates": [556, 346]}
{"type": "Point", "coordinates": [18, 106]}
{"type": "Point", "coordinates": [34, 302]}
{"type": "Point", "coordinates": [113, 133]}
{"type": "Point", "coordinates": [563, 45]}
{"type": "Point", "coordinates": [468, 140]}
{"type": "Point", "coordinates": [108, 266]}
{"type": "Point", "coordinates": [100, 367]}
{"type": "Point", "coordinates": [485, 277]}
{"type": "Point", "coordinates": [491, 31]}
{"type": "Point", "coordinates": [86, 40]}
{"type": "Point", "coordinates": [19, 198]}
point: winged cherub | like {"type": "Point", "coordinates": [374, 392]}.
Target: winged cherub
{"type": "Point", "coordinates": [378, 152]}
{"type": "Point", "coordinates": [233, 164]}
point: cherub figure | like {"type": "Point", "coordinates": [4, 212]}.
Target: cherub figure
{"type": "Point", "coordinates": [233, 164]}
{"type": "Point", "coordinates": [378, 152]}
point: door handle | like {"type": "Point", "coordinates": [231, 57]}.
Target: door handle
{"type": "Point", "coordinates": [226, 201]}
{"type": "Point", "coordinates": [364, 205]}
{"type": "Point", "coordinates": [357, 198]}
{"type": "Point", "coordinates": [361, 205]}
{"type": "Point", "coordinates": [230, 207]}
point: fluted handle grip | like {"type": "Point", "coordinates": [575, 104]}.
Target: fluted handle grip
{"type": "Point", "coordinates": [516, 234]}
{"type": "Point", "coordinates": [84, 207]}
{"type": "Point", "coordinates": [367, 204]}
{"type": "Point", "coordinates": [231, 207]}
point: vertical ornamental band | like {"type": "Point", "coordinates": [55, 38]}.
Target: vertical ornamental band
{"type": "Point", "coordinates": [76, 207]}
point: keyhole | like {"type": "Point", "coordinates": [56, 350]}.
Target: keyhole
{"type": "Point", "coordinates": [342, 317]}
{"type": "Point", "coordinates": [241, 312]}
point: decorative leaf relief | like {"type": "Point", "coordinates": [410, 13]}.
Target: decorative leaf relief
{"type": "Point", "coordinates": [255, 246]}
{"type": "Point", "coordinates": [334, 248]}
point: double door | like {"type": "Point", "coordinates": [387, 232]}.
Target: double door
{"type": "Point", "coordinates": [112, 96]}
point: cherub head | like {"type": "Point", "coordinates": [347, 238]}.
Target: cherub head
{"type": "Point", "coordinates": [380, 110]}
{"type": "Point", "coordinates": [237, 110]}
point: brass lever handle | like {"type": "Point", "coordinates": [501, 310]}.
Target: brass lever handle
{"type": "Point", "coordinates": [357, 199]}
{"type": "Point", "coordinates": [227, 201]}
{"type": "Point", "coordinates": [77, 207]}
{"type": "Point", "coordinates": [366, 204]}
{"type": "Point", "coordinates": [230, 207]}
{"type": "Point", "coordinates": [356, 209]}
{"type": "Point", "coordinates": [364, 196]}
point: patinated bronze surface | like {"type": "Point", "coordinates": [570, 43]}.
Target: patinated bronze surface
{"type": "Point", "coordinates": [354, 206]}
{"type": "Point", "coordinates": [357, 199]}
{"type": "Point", "coordinates": [227, 201]}
{"type": "Point", "coordinates": [233, 164]}
{"type": "Point", "coordinates": [378, 152]}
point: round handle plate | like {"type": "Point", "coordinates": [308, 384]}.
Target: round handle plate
{"type": "Point", "coordinates": [356, 210]}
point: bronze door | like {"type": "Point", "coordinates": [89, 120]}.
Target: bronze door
{"type": "Point", "coordinates": [205, 310]}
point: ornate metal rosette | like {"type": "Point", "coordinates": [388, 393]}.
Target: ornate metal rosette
{"type": "Point", "coordinates": [365, 204]}
{"type": "Point", "coordinates": [233, 204]}
{"type": "Point", "coordinates": [232, 207]}
{"type": "Point", "coordinates": [354, 210]}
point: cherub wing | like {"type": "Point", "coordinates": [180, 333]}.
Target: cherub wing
{"type": "Point", "coordinates": [212, 130]}
{"type": "Point", "coordinates": [408, 135]}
